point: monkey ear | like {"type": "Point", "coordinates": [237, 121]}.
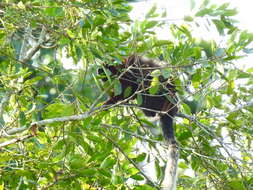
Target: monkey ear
{"type": "Point", "coordinates": [131, 60]}
{"type": "Point", "coordinates": [112, 69]}
{"type": "Point", "coordinates": [124, 61]}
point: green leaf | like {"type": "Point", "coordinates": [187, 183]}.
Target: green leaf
{"type": "Point", "coordinates": [197, 76]}
{"type": "Point", "coordinates": [22, 118]}
{"type": "Point", "coordinates": [232, 117]}
{"type": "Point", "coordinates": [223, 6]}
{"type": "Point", "coordinates": [59, 145]}
{"type": "Point", "coordinates": [58, 110]}
{"type": "Point", "coordinates": [141, 157]}
{"type": "Point", "coordinates": [116, 180]}
{"type": "Point", "coordinates": [87, 121]}
{"type": "Point", "coordinates": [229, 58]}
{"type": "Point", "coordinates": [55, 11]}
{"type": "Point", "coordinates": [158, 169]}
{"type": "Point", "coordinates": [63, 40]}
{"type": "Point", "coordinates": [148, 123]}
{"type": "Point", "coordinates": [117, 87]}
{"type": "Point", "coordinates": [193, 105]}
{"type": "Point", "coordinates": [77, 161]}
{"type": "Point", "coordinates": [185, 135]}
{"type": "Point", "coordinates": [219, 25]}
{"type": "Point", "coordinates": [106, 173]}
{"type": "Point", "coordinates": [137, 177]}
{"type": "Point", "coordinates": [139, 99]}
{"type": "Point", "coordinates": [71, 34]}
{"type": "Point", "coordinates": [188, 18]}
{"type": "Point", "coordinates": [159, 43]}
{"type": "Point", "coordinates": [186, 31]}
{"type": "Point", "coordinates": [217, 100]}
{"type": "Point", "coordinates": [99, 20]}
{"type": "Point", "coordinates": [166, 73]}
{"type": "Point", "coordinates": [33, 80]}
{"type": "Point", "coordinates": [230, 12]}
{"type": "Point", "coordinates": [87, 23]}
{"type": "Point", "coordinates": [232, 75]}
{"type": "Point", "coordinates": [155, 85]}
{"type": "Point", "coordinates": [230, 87]}
{"type": "Point", "coordinates": [195, 162]}
{"type": "Point", "coordinates": [207, 46]}
{"type": "Point", "coordinates": [250, 70]}
{"type": "Point", "coordinates": [87, 172]}
{"type": "Point", "coordinates": [94, 138]}
{"type": "Point", "coordinates": [183, 165]}
{"type": "Point", "coordinates": [85, 145]}
{"type": "Point", "coordinates": [107, 163]}
{"type": "Point", "coordinates": [186, 108]}
{"type": "Point", "coordinates": [156, 73]}
{"type": "Point", "coordinates": [151, 12]}
{"type": "Point", "coordinates": [236, 185]}
{"type": "Point", "coordinates": [13, 100]}
{"type": "Point", "coordinates": [203, 12]}
{"type": "Point", "coordinates": [150, 24]}
{"type": "Point", "coordinates": [128, 92]}
{"type": "Point", "coordinates": [197, 52]}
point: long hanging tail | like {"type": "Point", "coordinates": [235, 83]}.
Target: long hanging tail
{"type": "Point", "coordinates": [170, 173]}
{"type": "Point", "coordinates": [166, 122]}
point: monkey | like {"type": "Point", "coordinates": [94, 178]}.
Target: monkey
{"type": "Point", "coordinates": [135, 76]}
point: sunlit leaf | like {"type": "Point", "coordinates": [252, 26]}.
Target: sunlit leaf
{"type": "Point", "coordinates": [137, 177]}
{"type": "Point", "coordinates": [155, 85]}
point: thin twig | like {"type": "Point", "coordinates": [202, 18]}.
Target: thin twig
{"type": "Point", "coordinates": [238, 108]}
{"type": "Point", "coordinates": [29, 54]}
{"type": "Point", "coordinates": [131, 161]}
{"type": "Point", "coordinates": [134, 134]}
{"type": "Point", "coordinates": [210, 132]}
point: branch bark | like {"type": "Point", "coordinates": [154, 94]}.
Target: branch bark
{"type": "Point", "coordinates": [26, 55]}
{"type": "Point", "coordinates": [53, 120]}
{"type": "Point", "coordinates": [12, 141]}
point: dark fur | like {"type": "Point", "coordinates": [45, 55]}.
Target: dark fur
{"type": "Point", "coordinates": [135, 72]}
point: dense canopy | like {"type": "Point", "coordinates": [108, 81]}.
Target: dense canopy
{"type": "Point", "coordinates": [55, 133]}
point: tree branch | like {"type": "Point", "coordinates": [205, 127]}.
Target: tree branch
{"type": "Point", "coordinates": [131, 161]}
{"type": "Point", "coordinates": [247, 104]}
{"type": "Point", "coordinates": [135, 135]}
{"type": "Point", "coordinates": [12, 141]}
{"type": "Point", "coordinates": [206, 128]}
{"type": "Point", "coordinates": [27, 55]}
{"type": "Point", "coordinates": [53, 120]}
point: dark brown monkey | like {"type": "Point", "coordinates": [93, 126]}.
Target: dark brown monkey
{"type": "Point", "coordinates": [134, 75]}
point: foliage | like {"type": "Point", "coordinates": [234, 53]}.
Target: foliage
{"type": "Point", "coordinates": [41, 40]}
